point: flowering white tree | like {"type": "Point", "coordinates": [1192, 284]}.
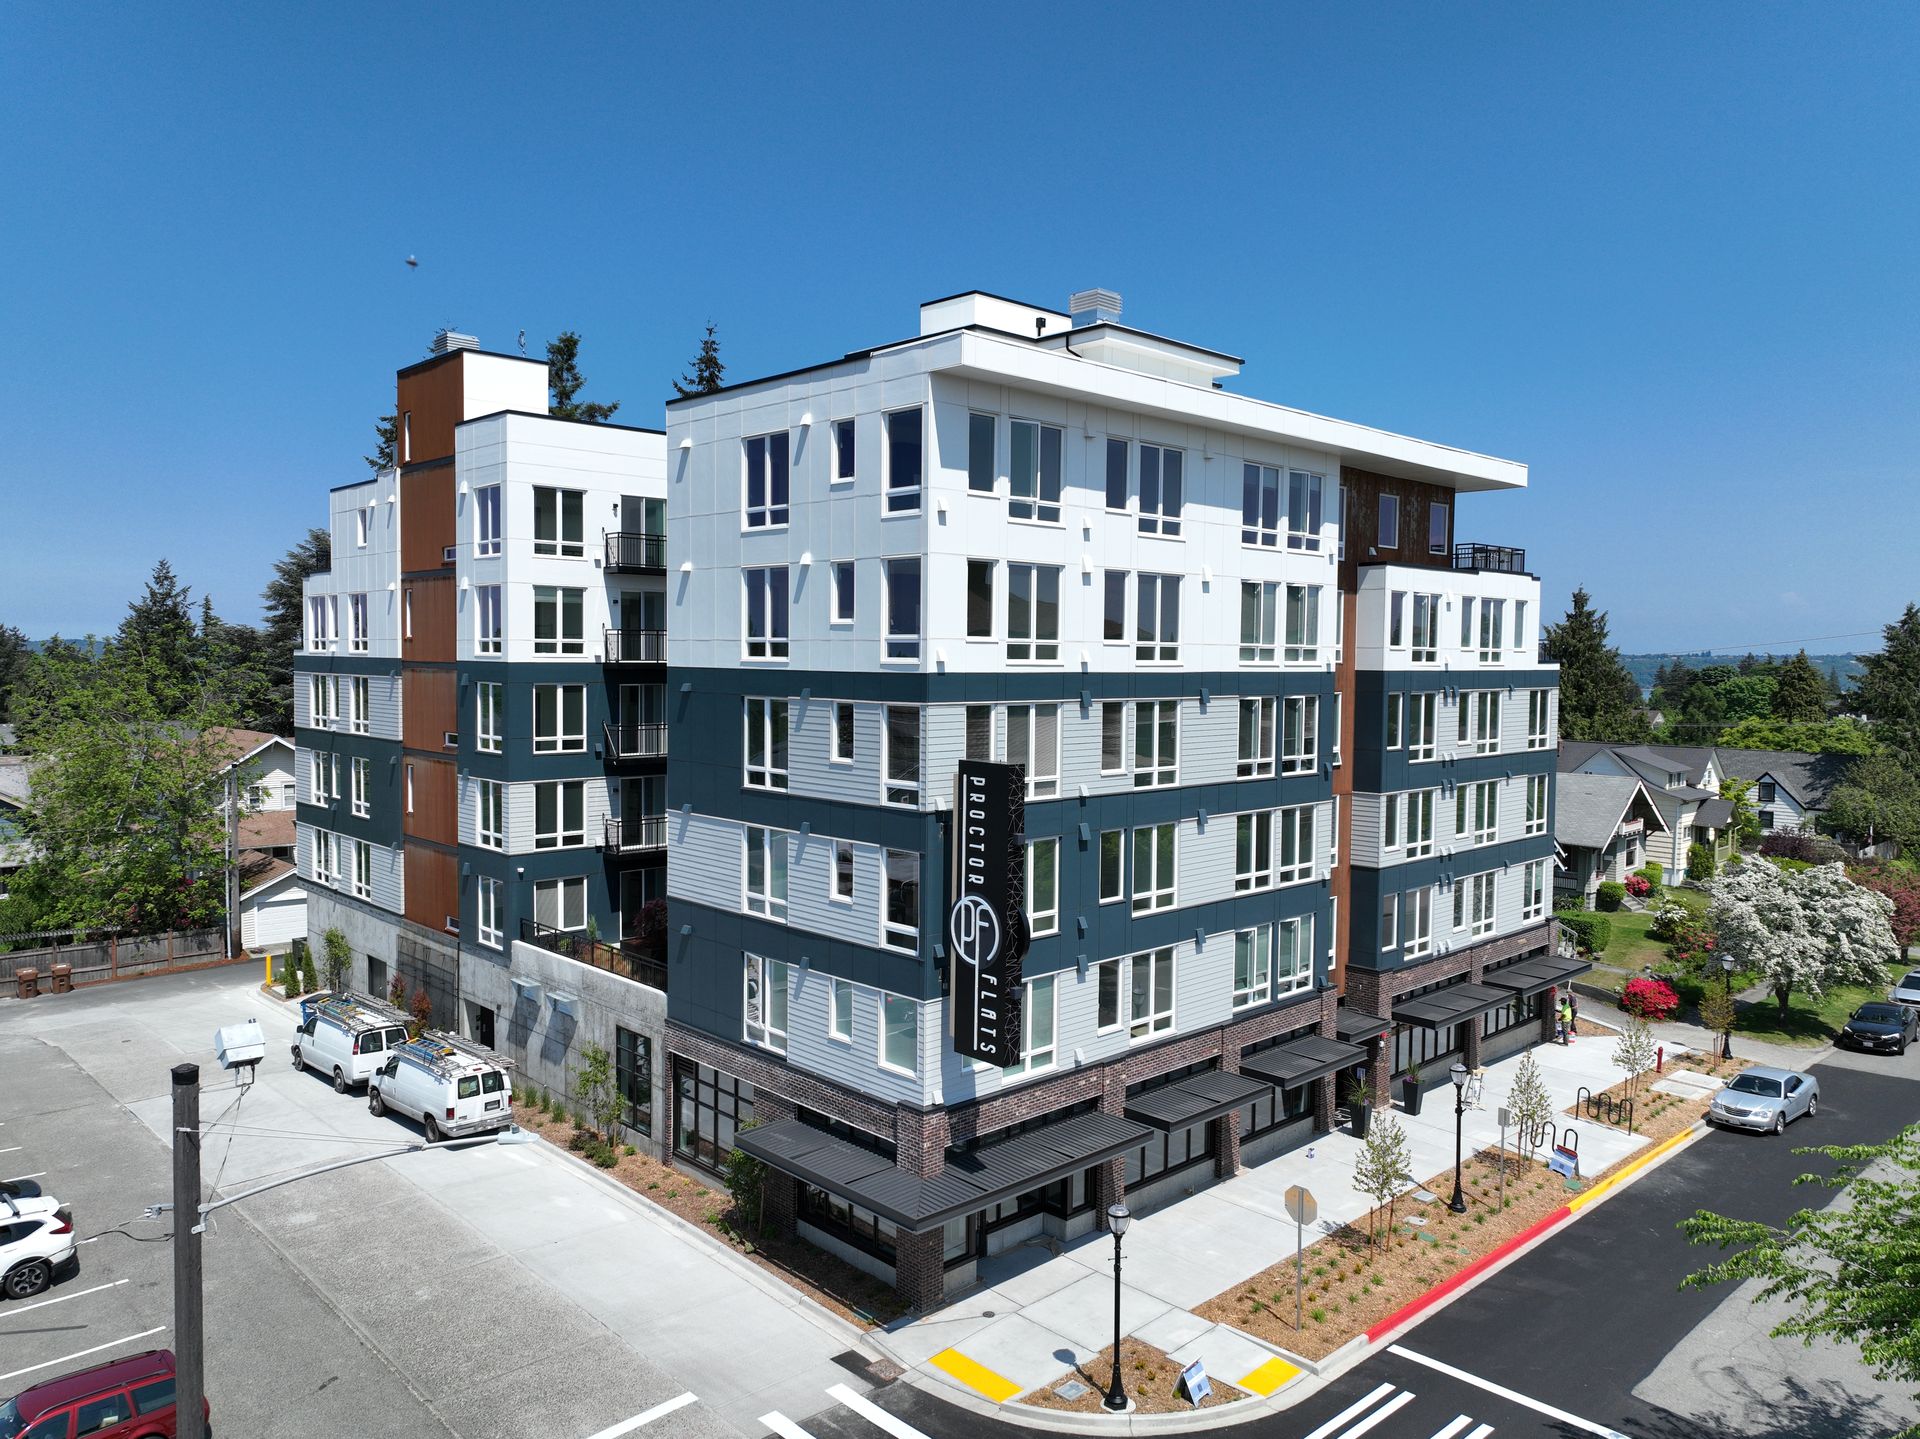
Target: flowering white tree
{"type": "Point", "coordinates": [1634, 1052]}
{"type": "Point", "coordinates": [1804, 929]}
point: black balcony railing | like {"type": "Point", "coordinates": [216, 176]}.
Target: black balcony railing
{"type": "Point", "coordinates": [625, 960]}
{"type": "Point", "coordinates": [635, 647]}
{"type": "Point", "coordinates": [635, 836]}
{"type": "Point", "coordinates": [636, 552]}
{"type": "Point", "coordinates": [636, 741]}
{"type": "Point", "coordinates": [1490, 557]}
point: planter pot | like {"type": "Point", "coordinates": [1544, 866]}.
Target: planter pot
{"type": "Point", "coordinates": [1410, 1095]}
{"type": "Point", "coordinates": [1361, 1117]}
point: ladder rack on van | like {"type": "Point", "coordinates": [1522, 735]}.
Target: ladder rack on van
{"type": "Point", "coordinates": [450, 1056]}
{"type": "Point", "coordinates": [358, 1014]}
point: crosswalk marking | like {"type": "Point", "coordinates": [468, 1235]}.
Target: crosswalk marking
{"type": "Point", "coordinates": [874, 1414]}
{"type": "Point", "coordinates": [1455, 1427]}
{"type": "Point", "coordinates": [1391, 1407]}
{"type": "Point", "coordinates": [1359, 1407]}
{"type": "Point", "coordinates": [1525, 1400]}
{"type": "Point", "coordinates": [640, 1421]}
{"type": "Point", "coordinates": [783, 1426]}
{"type": "Point", "coordinates": [1482, 1432]}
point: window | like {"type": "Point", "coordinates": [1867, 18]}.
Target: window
{"type": "Point", "coordinates": [1479, 721]}
{"type": "Point", "coordinates": [1299, 734]}
{"type": "Point", "coordinates": [1303, 624]}
{"type": "Point", "coordinates": [766, 744]}
{"type": "Point", "coordinates": [767, 481]}
{"type": "Point", "coordinates": [904, 461]}
{"type": "Point", "coordinates": [1258, 621]}
{"type": "Point", "coordinates": [1153, 876]}
{"type": "Point", "coordinates": [1466, 622]}
{"type": "Point", "coordinates": [1303, 510]}
{"type": "Point", "coordinates": [1436, 528]}
{"type": "Point", "coordinates": [1294, 970]}
{"type": "Point", "coordinates": [1113, 627]}
{"type": "Point", "coordinates": [1397, 620]}
{"type": "Point", "coordinates": [486, 521]}
{"type": "Point", "coordinates": [362, 868]}
{"type": "Point", "coordinates": [488, 632]}
{"type": "Point", "coordinates": [1537, 718]}
{"type": "Point", "coordinates": [1333, 834]}
{"type": "Point", "coordinates": [1390, 822]}
{"type": "Point", "coordinates": [1113, 737]}
{"type": "Point", "coordinates": [1252, 852]}
{"type": "Point", "coordinates": [560, 903]}
{"type": "Point", "coordinates": [1256, 739]}
{"type": "Point", "coordinates": [840, 1010]}
{"type": "Point", "coordinates": [1396, 704]}
{"type": "Point", "coordinates": [1033, 740]}
{"type": "Point", "coordinates": [1417, 911]}
{"type": "Point", "coordinates": [1476, 812]}
{"type": "Point", "coordinates": [1112, 862]}
{"type": "Point", "coordinates": [633, 1078]}
{"type": "Point", "coordinates": [843, 731]}
{"type": "Point", "coordinates": [1039, 1027]}
{"type": "Point", "coordinates": [1033, 613]}
{"type": "Point", "coordinates": [557, 527]}
{"type": "Point", "coordinates": [361, 784]}
{"type": "Point", "coordinates": [843, 451]}
{"type": "Point", "coordinates": [1766, 791]}
{"type": "Point", "coordinates": [899, 1033]}
{"type": "Point", "coordinates": [559, 623]}
{"type": "Point", "coordinates": [764, 1010]}
{"type": "Point", "coordinates": [766, 612]}
{"type": "Point", "coordinates": [902, 917]}
{"type": "Point", "coordinates": [980, 732]}
{"type": "Point", "coordinates": [1418, 808]}
{"type": "Point", "coordinates": [1043, 886]}
{"type": "Point", "coordinates": [843, 592]}
{"type": "Point", "coordinates": [1426, 630]}
{"type": "Point", "coordinates": [321, 696]}
{"type": "Point", "coordinates": [1107, 984]}
{"type": "Point", "coordinates": [1150, 1010]}
{"type": "Point", "coordinates": [1533, 890]}
{"type": "Point", "coordinates": [1157, 635]}
{"type": "Point", "coordinates": [1473, 904]}
{"type": "Point", "coordinates": [489, 911]}
{"type": "Point", "coordinates": [1160, 484]}
{"type": "Point", "coordinates": [1519, 624]}
{"type": "Point", "coordinates": [357, 627]}
{"type": "Point", "coordinates": [1156, 743]}
{"type": "Point", "coordinates": [1422, 711]}
{"type": "Point", "coordinates": [1390, 921]}
{"type": "Point", "coordinates": [1116, 474]}
{"type": "Point", "coordinates": [1333, 730]}
{"type": "Point", "coordinates": [333, 776]}
{"type": "Point", "coordinates": [1342, 507]}
{"type": "Point", "coordinates": [843, 871]}
{"type": "Point", "coordinates": [326, 859]}
{"type": "Point", "coordinates": [1493, 644]}
{"type": "Point", "coordinates": [410, 790]}
{"type": "Point", "coordinates": [1536, 804]}
{"type": "Point", "coordinates": [1252, 966]}
{"type": "Point", "coordinates": [1260, 506]}
{"type": "Point", "coordinates": [362, 522]}
{"type": "Point", "coordinates": [903, 608]}
{"type": "Point", "coordinates": [766, 872]}
{"type": "Point", "coordinates": [1296, 845]}
{"type": "Point", "coordinates": [980, 467]}
{"type": "Point", "coordinates": [1033, 475]}
{"type": "Point", "coordinates": [559, 719]}
{"type": "Point", "coordinates": [903, 754]}
{"type": "Point", "coordinates": [488, 718]}
{"type": "Point", "coordinates": [320, 629]}
{"type": "Point", "coordinates": [406, 613]}
{"type": "Point", "coordinates": [979, 599]}
{"type": "Point", "coordinates": [1389, 535]}
{"type": "Point", "coordinates": [560, 814]}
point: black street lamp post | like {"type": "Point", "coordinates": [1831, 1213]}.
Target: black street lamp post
{"type": "Point", "coordinates": [1726, 1035]}
{"type": "Point", "coordinates": [1117, 1220]}
{"type": "Point", "coordinates": [1458, 1204]}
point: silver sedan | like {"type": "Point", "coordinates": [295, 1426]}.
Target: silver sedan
{"type": "Point", "coordinates": [1765, 1099]}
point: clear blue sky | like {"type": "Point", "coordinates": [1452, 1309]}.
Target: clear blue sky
{"type": "Point", "coordinates": [1665, 255]}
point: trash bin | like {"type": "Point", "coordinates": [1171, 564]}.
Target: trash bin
{"type": "Point", "coordinates": [62, 978]}
{"type": "Point", "coordinates": [26, 982]}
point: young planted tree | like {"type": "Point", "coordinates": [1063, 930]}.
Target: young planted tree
{"type": "Point", "coordinates": [597, 1091]}
{"type": "Point", "coordinates": [1598, 697]}
{"type": "Point", "coordinates": [1805, 930]}
{"type": "Point", "coordinates": [1528, 1102]}
{"type": "Point", "coordinates": [1634, 1052]}
{"type": "Point", "coordinates": [1384, 1170]}
{"type": "Point", "coordinates": [339, 960]}
{"type": "Point", "coordinates": [704, 376]}
{"type": "Point", "coordinates": [565, 382]}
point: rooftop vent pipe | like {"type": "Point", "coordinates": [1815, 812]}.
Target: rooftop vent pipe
{"type": "Point", "coordinates": [1094, 307]}
{"type": "Point", "coordinates": [447, 341]}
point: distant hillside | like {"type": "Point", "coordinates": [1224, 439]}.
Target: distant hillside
{"type": "Point", "coordinates": [1643, 667]}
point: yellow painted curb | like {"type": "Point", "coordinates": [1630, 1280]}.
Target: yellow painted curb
{"type": "Point", "coordinates": [1268, 1377]}
{"type": "Point", "coordinates": [975, 1376]}
{"type": "Point", "coordinates": [1580, 1201]}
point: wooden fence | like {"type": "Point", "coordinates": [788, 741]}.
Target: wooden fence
{"type": "Point", "coordinates": [96, 957]}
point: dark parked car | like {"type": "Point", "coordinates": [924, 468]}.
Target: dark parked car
{"type": "Point", "coordinates": [1882, 1027]}
{"type": "Point", "coordinates": [19, 1188]}
{"type": "Point", "coordinates": [128, 1399]}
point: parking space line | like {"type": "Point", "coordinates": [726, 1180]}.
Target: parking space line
{"type": "Point", "coordinates": [874, 1414]}
{"type": "Point", "coordinates": [1458, 1423]}
{"type": "Point", "coordinates": [82, 1354]}
{"type": "Point", "coordinates": [61, 1298]}
{"type": "Point", "coordinates": [1482, 1432]}
{"type": "Point", "coordinates": [640, 1421]}
{"type": "Point", "coordinates": [783, 1426]}
{"type": "Point", "coordinates": [37, 1174]}
{"type": "Point", "coordinates": [1512, 1395]}
{"type": "Point", "coordinates": [13, 1149]}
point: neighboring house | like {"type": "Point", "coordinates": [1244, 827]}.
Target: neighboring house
{"type": "Point", "coordinates": [15, 785]}
{"type": "Point", "coordinates": [1790, 790]}
{"type": "Point", "coordinates": [273, 902]}
{"type": "Point", "coordinates": [1603, 824]}
{"type": "Point", "coordinates": [264, 769]}
{"type": "Point", "coordinates": [1683, 782]}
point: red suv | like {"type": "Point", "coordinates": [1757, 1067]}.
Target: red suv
{"type": "Point", "coordinates": [127, 1399]}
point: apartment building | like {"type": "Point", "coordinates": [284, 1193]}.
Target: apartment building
{"type": "Point", "coordinates": [1199, 661]}
{"type": "Point", "coordinates": [480, 716]}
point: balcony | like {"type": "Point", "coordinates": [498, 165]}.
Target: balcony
{"type": "Point", "coordinates": [1502, 558]}
{"type": "Point", "coordinates": [625, 960]}
{"type": "Point", "coordinates": [636, 552]}
{"type": "Point", "coordinates": [635, 836]}
{"type": "Point", "coordinates": [635, 647]}
{"type": "Point", "coordinates": [636, 741]}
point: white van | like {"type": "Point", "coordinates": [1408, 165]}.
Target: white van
{"type": "Point", "coordinates": [348, 1039]}
{"type": "Point", "coordinates": [453, 1089]}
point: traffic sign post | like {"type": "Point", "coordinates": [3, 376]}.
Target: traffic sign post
{"type": "Point", "coordinates": [1506, 1117]}
{"type": "Point", "coordinates": [1303, 1211]}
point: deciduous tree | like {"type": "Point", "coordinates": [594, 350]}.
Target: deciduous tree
{"type": "Point", "coordinates": [1634, 1051]}
{"type": "Point", "coordinates": [1384, 1169]}
{"type": "Point", "coordinates": [1598, 697]}
{"type": "Point", "coordinates": [1878, 800]}
{"type": "Point", "coordinates": [1841, 735]}
{"type": "Point", "coordinates": [1802, 931]}
{"type": "Point", "coordinates": [565, 382]}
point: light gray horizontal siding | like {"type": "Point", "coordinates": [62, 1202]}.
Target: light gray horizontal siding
{"type": "Point", "coordinates": [855, 1064]}
{"type": "Point", "coordinates": [706, 858]}
{"type": "Point", "coordinates": [520, 815]}
{"type": "Point", "coordinates": [810, 905]}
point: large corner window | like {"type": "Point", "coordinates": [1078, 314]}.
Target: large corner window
{"type": "Point", "coordinates": [764, 1004]}
{"type": "Point", "coordinates": [766, 493]}
{"type": "Point", "coordinates": [766, 766]}
{"type": "Point", "coordinates": [766, 615]}
{"type": "Point", "coordinates": [559, 620]}
{"type": "Point", "coordinates": [1033, 474]}
{"type": "Point", "coordinates": [905, 461]}
{"type": "Point", "coordinates": [1033, 614]}
{"type": "Point", "coordinates": [558, 527]}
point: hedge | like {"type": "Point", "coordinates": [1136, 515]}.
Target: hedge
{"type": "Point", "coordinates": [1610, 894]}
{"type": "Point", "coordinates": [1592, 932]}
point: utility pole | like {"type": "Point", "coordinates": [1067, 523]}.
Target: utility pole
{"type": "Point", "coordinates": [233, 864]}
{"type": "Point", "coordinates": [189, 1353]}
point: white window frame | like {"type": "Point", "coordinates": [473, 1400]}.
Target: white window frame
{"type": "Point", "coordinates": [568, 890]}
{"type": "Point", "coordinates": [771, 513]}
{"type": "Point", "coordinates": [359, 629]}
{"type": "Point", "coordinates": [360, 879]}
{"type": "Point", "coordinates": [759, 713]}
{"type": "Point", "coordinates": [843, 600]}
{"type": "Point", "coordinates": [1042, 1000]}
{"type": "Point", "coordinates": [1152, 890]}
{"type": "Point", "coordinates": [1536, 811]}
{"type": "Point", "coordinates": [1423, 719]}
{"type": "Point", "coordinates": [1258, 737]}
{"type": "Point", "coordinates": [1333, 729]}
{"type": "Point", "coordinates": [1417, 912]}
{"type": "Point", "coordinates": [1476, 812]}
{"type": "Point", "coordinates": [775, 640]}
{"type": "Point", "coordinates": [489, 631]}
{"type": "Point", "coordinates": [1252, 966]}
{"type": "Point", "coordinates": [1156, 601]}
{"type": "Point", "coordinates": [562, 835]}
{"type": "Point", "coordinates": [1259, 622]}
{"type": "Point", "coordinates": [1396, 723]}
{"type": "Point", "coordinates": [1043, 862]}
{"type": "Point", "coordinates": [1493, 618]}
{"type": "Point", "coordinates": [1437, 533]}
{"type": "Point", "coordinates": [1253, 851]}
{"type": "Point", "coordinates": [772, 849]}
{"type": "Point", "coordinates": [903, 789]}
{"type": "Point", "coordinates": [892, 1008]}
{"type": "Point", "coordinates": [1533, 890]}
{"type": "Point", "coordinates": [558, 545]}
{"type": "Point", "coordinates": [1161, 519]}
{"type": "Point", "coordinates": [892, 936]}
{"type": "Point", "coordinates": [1418, 812]}
{"type": "Point", "coordinates": [1390, 921]}
{"type": "Point", "coordinates": [326, 858]}
{"type": "Point", "coordinates": [844, 868]}
{"type": "Point", "coordinates": [322, 633]}
{"type": "Point", "coordinates": [488, 717]}
{"type": "Point", "coordinates": [1114, 972]}
{"type": "Point", "coordinates": [1539, 718]}
{"type": "Point", "coordinates": [1309, 490]}
{"type": "Point", "coordinates": [1294, 844]}
{"type": "Point", "coordinates": [487, 527]}
{"type": "Point", "coordinates": [1115, 730]}
{"type": "Point", "coordinates": [554, 597]}
{"type": "Point", "coordinates": [1028, 646]}
{"type": "Point", "coordinates": [487, 911]}
{"type": "Point", "coordinates": [899, 499]}
{"type": "Point", "coordinates": [846, 454]}
{"type": "Point", "coordinates": [844, 741]}
{"type": "Point", "coordinates": [360, 785]}
{"type": "Point", "coordinates": [1028, 499]}
{"type": "Point", "coordinates": [1156, 1020]}
{"type": "Point", "coordinates": [840, 997]}
{"type": "Point", "coordinates": [1293, 936]}
{"type": "Point", "coordinates": [1111, 866]}
{"type": "Point", "coordinates": [1299, 742]}
{"type": "Point", "coordinates": [1424, 646]}
{"type": "Point", "coordinates": [561, 740]}
{"type": "Point", "coordinates": [1156, 747]}
{"type": "Point", "coordinates": [1389, 522]}
{"type": "Point", "coordinates": [1262, 529]}
{"type": "Point", "coordinates": [489, 812]}
{"type": "Point", "coordinates": [1028, 744]}
{"type": "Point", "coordinates": [768, 978]}
{"type": "Point", "coordinates": [898, 645]}
{"type": "Point", "coordinates": [1301, 642]}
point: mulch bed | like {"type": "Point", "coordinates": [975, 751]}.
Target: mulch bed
{"type": "Point", "coordinates": [1660, 1116]}
{"type": "Point", "coordinates": [1151, 1379]}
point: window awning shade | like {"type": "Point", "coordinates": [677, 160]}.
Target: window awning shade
{"type": "Point", "coordinates": [1195, 1099]}
{"type": "Point", "coordinates": [1530, 976]}
{"type": "Point", "coordinates": [1453, 1005]}
{"type": "Point", "coordinates": [1299, 1061]}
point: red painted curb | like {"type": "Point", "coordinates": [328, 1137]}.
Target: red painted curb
{"type": "Point", "coordinates": [1447, 1286]}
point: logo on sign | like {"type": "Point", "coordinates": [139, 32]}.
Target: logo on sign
{"type": "Point", "coordinates": [975, 930]}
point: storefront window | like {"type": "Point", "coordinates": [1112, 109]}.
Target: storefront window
{"type": "Point", "coordinates": [712, 1106]}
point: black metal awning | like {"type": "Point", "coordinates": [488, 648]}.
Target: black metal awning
{"type": "Point", "coordinates": [1530, 976]}
{"type": "Point", "coordinates": [1302, 1060]}
{"type": "Point", "coordinates": [1453, 1005]}
{"type": "Point", "coordinates": [1195, 1099]}
{"type": "Point", "coordinates": [1357, 1027]}
{"type": "Point", "coordinates": [970, 1183]}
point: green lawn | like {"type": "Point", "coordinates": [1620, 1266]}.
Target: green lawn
{"type": "Point", "coordinates": [1808, 1022]}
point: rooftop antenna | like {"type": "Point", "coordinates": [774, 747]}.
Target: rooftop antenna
{"type": "Point", "coordinates": [523, 342]}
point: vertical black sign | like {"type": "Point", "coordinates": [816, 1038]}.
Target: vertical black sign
{"type": "Point", "coordinates": [987, 925]}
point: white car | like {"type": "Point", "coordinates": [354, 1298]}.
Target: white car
{"type": "Point", "coordinates": [1907, 991]}
{"type": "Point", "coordinates": [36, 1240]}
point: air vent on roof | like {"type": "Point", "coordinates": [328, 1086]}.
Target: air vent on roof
{"type": "Point", "coordinates": [1093, 307]}
{"type": "Point", "coordinates": [448, 341]}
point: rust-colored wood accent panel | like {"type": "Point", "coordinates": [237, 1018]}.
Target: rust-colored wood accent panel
{"type": "Point", "coordinates": [433, 886]}
{"type": "Point", "coordinates": [427, 523]}
{"type": "Point", "coordinates": [436, 807]}
{"type": "Point", "coordinates": [433, 602]}
{"type": "Point", "coordinates": [1341, 884]}
{"type": "Point", "coordinates": [430, 707]}
{"type": "Point", "coordinates": [1363, 491]}
{"type": "Point", "coordinates": [434, 394]}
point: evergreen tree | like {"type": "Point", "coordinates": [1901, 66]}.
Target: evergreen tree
{"type": "Point", "coordinates": [284, 607]}
{"type": "Point", "coordinates": [706, 374]}
{"type": "Point", "coordinates": [1598, 698]}
{"type": "Point", "coordinates": [565, 381]}
{"type": "Point", "coordinates": [159, 625]}
{"type": "Point", "coordinates": [1800, 692]}
{"type": "Point", "coordinates": [1889, 690]}
{"type": "Point", "coordinates": [14, 654]}
{"type": "Point", "coordinates": [386, 434]}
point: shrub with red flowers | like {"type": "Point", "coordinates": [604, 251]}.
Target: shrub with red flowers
{"type": "Point", "coordinates": [1637, 886]}
{"type": "Point", "coordinates": [1650, 999]}
{"type": "Point", "coordinates": [1898, 883]}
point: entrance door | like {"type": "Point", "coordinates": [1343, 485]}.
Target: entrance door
{"type": "Point", "coordinates": [481, 1023]}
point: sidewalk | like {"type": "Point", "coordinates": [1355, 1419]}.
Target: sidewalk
{"type": "Point", "coordinates": [1676, 1035]}
{"type": "Point", "coordinates": [1038, 1314]}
